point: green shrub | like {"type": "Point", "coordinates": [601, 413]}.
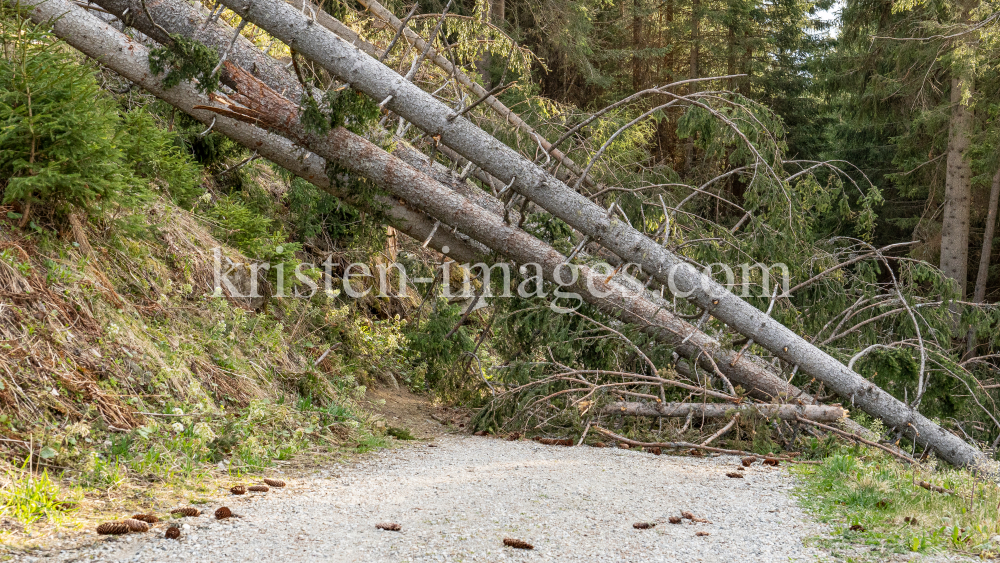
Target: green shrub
{"type": "Point", "coordinates": [59, 133]}
{"type": "Point", "coordinates": [155, 154]}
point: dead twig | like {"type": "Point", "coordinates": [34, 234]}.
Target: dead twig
{"type": "Point", "coordinates": [857, 438]}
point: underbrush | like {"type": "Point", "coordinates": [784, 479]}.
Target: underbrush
{"type": "Point", "coordinates": [876, 505]}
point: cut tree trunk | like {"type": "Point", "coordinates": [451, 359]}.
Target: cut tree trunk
{"type": "Point", "coordinates": [818, 413]}
{"type": "Point", "coordinates": [420, 108]}
{"type": "Point", "coordinates": [177, 17]}
{"type": "Point", "coordinates": [958, 189]}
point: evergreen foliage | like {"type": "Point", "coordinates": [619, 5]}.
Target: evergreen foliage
{"type": "Point", "coordinates": [60, 136]}
{"type": "Point", "coordinates": [185, 59]}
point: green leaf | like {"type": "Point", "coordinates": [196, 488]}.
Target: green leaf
{"type": "Point", "coordinates": [47, 453]}
{"type": "Point", "coordinates": [13, 215]}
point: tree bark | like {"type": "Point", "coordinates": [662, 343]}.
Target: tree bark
{"type": "Point", "coordinates": [958, 188]}
{"type": "Point", "coordinates": [818, 413]}
{"type": "Point", "coordinates": [433, 117]}
{"type": "Point", "coordinates": [979, 295]}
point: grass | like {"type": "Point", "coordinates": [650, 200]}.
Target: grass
{"type": "Point", "coordinates": [28, 497]}
{"type": "Point", "coordinates": [874, 501]}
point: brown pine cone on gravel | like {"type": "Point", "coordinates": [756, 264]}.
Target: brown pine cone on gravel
{"type": "Point", "coordinates": [517, 544]}
{"type": "Point", "coordinates": [748, 461]}
{"type": "Point", "coordinates": [555, 442]}
{"type": "Point", "coordinates": [675, 519]}
{"type": "Point", "coordinates": [239, 490]}
{"type": "Point", "coordinates": [770, 461]}
{"type": "Point", "coordinates": [688, 515]}
{"type": "Point", "coordinates": [187, 511]}
{"type": "Point", "coordinates": [390, 526]}
{"type": "Point", "coordinates": [136, 525]}
{"type": "Point", "coordinates": [259, 488]}
{"type": "Point", "coordinates": [654, 450]}
{"type": "Point", "coordinates": [514, 437]}
{"type": "Point", "coordinates": [147, 518]}
{"type": "Point", "coordinates": [173, 533]}
{"type": "Point", "coordinates": [600, 445]}
{"type": "Point", "coordinates": [701, 533]}
{"type": "Point", "coordinates": [112, 528]}
{"type": "Point", "coordinates": [734, 475]}
{"type": "Point", "coordinates": [643, 525]}
{"type": "Point", "coordinates": [223, 513]}
{"type": "Point", "coordinates": [275, 482]}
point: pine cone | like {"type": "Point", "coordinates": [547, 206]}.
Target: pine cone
{"type": "Point", "coordinates": [275, 482]}
{"type": "Point", "coordinates": [513, 437]}
{"type": "Point", "coordinates": [390, 526]}
{"type": "Point", "coordinates": [701, 533]}
{"type": "Point", "coordinates": [748, 461]}
{"type": "Point", "coordinates": [223, 513]}
{"type": "Point", "coordinates": [688, 515]}
{"type": "Point", "coordinates": [654, 450]}
{"type": "Point", "coordinates": [770, 461]}
{"type": "Point", "coordinates": [147, 518]}
{"type": "Point", "coordinates": [600, 445]}
{"type": "Point", "coordinates": [259, 488]}
{"type": "Point", "coordinates": [187, 511]}
{"type": "Point", "coordinates": [136, 525]}
{"type": "Point", "coordinates": [857, 528]}
{"type": "Point", "coordinates": [675, 519]}
{"type": "Point", "coordinates": [734, 475]}
{"type": "Point", "coordinates": [239, 490]}
{"type": "Point", "coordinates": [517, 544]}
{"type": "Point", "coordinates": [555, 442]}
{"type": "Point", "coordinates": [643, 525]}
{"type": "Point", "coordinates": [112, 528]}
{"type": "Point", "coordinates": [173, 533]}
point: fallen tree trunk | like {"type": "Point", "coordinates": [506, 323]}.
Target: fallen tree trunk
{"type": "Point", "coordinates": [182, 18]}
{"type": "Point", "coordinates": [818, 413]}
{"type": "Point", "coordinates": [508, 115]}
{"type": "Point", "coordinates": [436, 119]}
{"type": "Point", "coordinates": [425, 193]}
{"type": "Point", "coordinates": [100, 41]}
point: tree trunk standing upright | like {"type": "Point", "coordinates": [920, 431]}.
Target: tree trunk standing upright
{"type": "Point", "coordinates": [958, 186]}
{"type": "Point", "coordinates": [979, 294]}
{"type": "Point", "coordinates": [495, 17]}
{"type": "Point", "coordinates": [637, 44]}
{"type": "Point", "coordinates": [694, 72]}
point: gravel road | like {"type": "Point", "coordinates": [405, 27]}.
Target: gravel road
{"type": "Point", "coordinates": [459, 500]}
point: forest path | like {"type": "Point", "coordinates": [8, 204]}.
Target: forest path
{"type": "Point", "coordinates": [458, 500]}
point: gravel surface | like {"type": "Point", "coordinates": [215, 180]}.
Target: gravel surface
{"type": "Point", "coordinates": [459, 500]}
